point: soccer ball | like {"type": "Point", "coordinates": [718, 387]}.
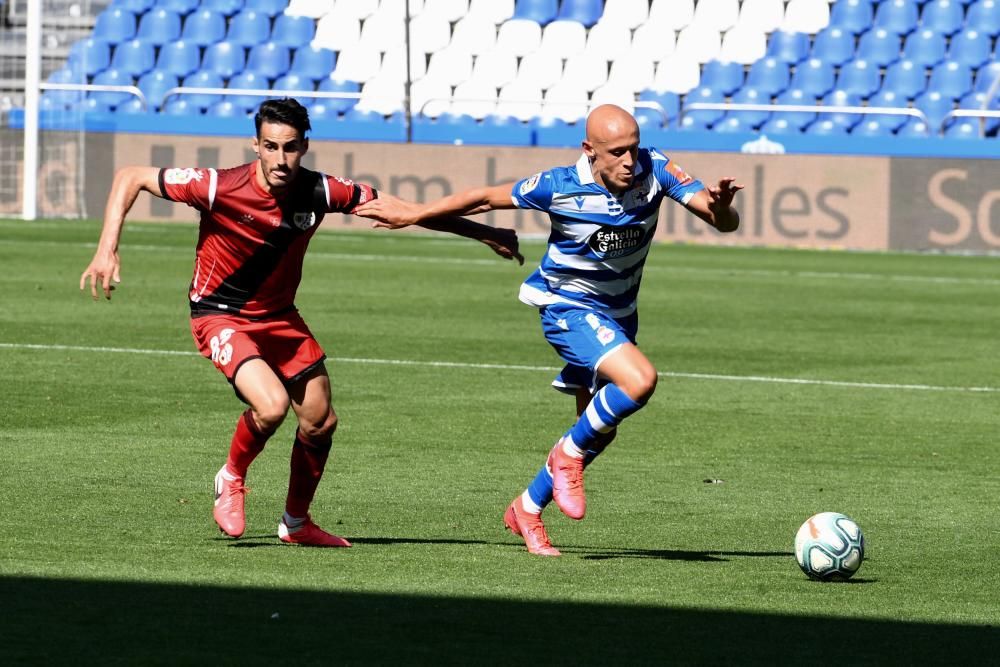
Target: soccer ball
{"type": "Point", "coordinates": [829, 547]}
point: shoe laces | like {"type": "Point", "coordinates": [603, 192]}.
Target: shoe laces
{"type": "Point", "coordinates": [236, 490]}
{"type": "Point", "coordinates": [573, 471]}
{"type": "Point", "coordinates": [536, 529]}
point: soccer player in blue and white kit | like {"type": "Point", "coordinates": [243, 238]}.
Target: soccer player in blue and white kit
{"type": "Point", "coordinates": [603, 212]}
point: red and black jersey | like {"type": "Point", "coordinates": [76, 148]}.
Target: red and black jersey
{"type": "Point", "coordinates": [251, 244]}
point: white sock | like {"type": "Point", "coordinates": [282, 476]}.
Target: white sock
{"type": "Point", "coordinates": [292, 521]}
{"type": "Point", "coordinates": [529, 505]}
{"type": "Point", "coordinates": [570, 448]}
{"type": "Point", "coordinates": [228, 475]}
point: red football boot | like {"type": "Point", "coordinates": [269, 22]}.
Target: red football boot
{"type": "Point", "coordinates": [567, 482]}
{"type": "Point", "coordinates": [228, 511]}
{"type": "Point", "coordinates": [531, 528]}
{"type": "Point", "coordinates": [309, 535]}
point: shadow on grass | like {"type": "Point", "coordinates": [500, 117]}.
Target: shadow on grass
{"type": "Point", "coordinates": [49, 621]}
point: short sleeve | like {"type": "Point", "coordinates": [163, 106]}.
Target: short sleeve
{"type": "Point", "coordinates": [344, 195]}
{"type": "Point", "coordinates": [533, 192]}
{"type": "Point", "coordinates": [677, 183]}
{"type": "Point", "coordinates": [187, 185]}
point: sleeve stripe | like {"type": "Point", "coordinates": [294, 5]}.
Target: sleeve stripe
{"type": "Point", "coordinates": [163, 185]}
{"type": "Point", "coordinates": [213, 181]}
{"type": "Point", "coordinates": [326, 190]}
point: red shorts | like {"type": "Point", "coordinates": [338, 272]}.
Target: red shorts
{"type": "Point", "coordinates": [284, 342]}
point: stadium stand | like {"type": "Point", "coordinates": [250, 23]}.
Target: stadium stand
{"type": "Point", "coordinates": [488, 65]}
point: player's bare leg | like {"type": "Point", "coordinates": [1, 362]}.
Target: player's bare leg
{"type": "Point", "coordinates": [310, 399]}
{"type": "Point", "coordinates": [268, 400]}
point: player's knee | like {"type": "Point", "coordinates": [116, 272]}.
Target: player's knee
{"type": "Point", "coordinates": [319, 431]}
{"type": "Point", "coordinates": [641, 384]}
{"type": "Point", "coordinates": [270, 413]}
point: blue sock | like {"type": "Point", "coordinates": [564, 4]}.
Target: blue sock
{"type": "Point", "coordinates": [609, 407]}
{"type": "Point", "coordinates": [540, 489]}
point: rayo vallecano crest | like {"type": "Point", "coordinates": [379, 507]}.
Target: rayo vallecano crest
{"type": "Point", "coordinates": [304, 220]}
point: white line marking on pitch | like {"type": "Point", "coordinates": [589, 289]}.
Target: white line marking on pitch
{"type": "Point", "coordinates": [518, 367]}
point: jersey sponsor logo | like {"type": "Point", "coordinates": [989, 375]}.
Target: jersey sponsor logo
{"type": "Point", "coordinates": [530, 184]}
{"type": "Point", "coordinates": [677, 172]}
{"type": "Point", "coordinates": [178, 176]}
{"type": "Point", "coordinates": [346, 181]}
{"type": "Point", "coordinates": [611, 241]}
{"type": "Point", "coordinates": [304, 220]}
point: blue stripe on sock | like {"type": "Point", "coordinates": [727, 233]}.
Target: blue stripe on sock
{"type": "Point", "coordinates": [540, 489]}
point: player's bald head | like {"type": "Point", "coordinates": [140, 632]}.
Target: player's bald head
{"type": "Point", "coordinates": [608, 123]}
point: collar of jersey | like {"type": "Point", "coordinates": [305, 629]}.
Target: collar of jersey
{"type": "Point", "coordinates": [586, 176]}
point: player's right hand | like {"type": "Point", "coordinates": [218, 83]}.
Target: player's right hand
{"type": "Point", "coordinates": [390, 212]}
{"type": "Point", "coordinates": [103, 269]}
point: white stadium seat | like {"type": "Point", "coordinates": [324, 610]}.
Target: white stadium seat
{"type": "Point", "coordinates": [563, 38]}
{"type": "Point", "coordinates": [809, 16]}
{"type": "Point", "coordinates": [429, 33]}
{"type": "Point", "coordinates": [449, 10]}
{"type": "Point", "coordinates": [609, 39]}
{"type": "Point", "coordinates": [496, 11]}
{"type": "Point", "coordinates": [678, 73]}
{"type": "Point", "coordinates": [519, 100]}
{"type": "Point", "coordinates": [473, 98]}
{"type": "Point", "coordinates": [653, 42]}
{"type": "Point", "coordinates": [381, 96]}
{"type": "Point", "coordinates": [450, 65]}
{"type": "Point", "coordinates": [540, 69]}
{"type": "Point", "coordinates": [743, 45]}
{"type": "Point", "coordinates": [431, 97]}
{"type": "Point", "coordinates": [310, 8]}
{"type": "Point", "coordinates": [718, 14]}
{"type": "Point", "coordinates": [382, 30]}
{"type": "Point", "coordinates": [358, 62]}
{"type": "Point", "coordinates": [612, 94]}
{"type": "Point", "coordinates": [671, 14]}
{"type": "Point", "coordinates": [629, 13]}
{"type": "Point", "coordinates": [765, 15]}
{"type": "Point", "coordinates": [699, 42]}
{"type": "Point", "coordinates": [394, 63]}
{"type": "Point", "coordinates": [631, 72]}
{"type": "Point", "coordinates": [587, 70]}
{"type": "Point", "coordinates": [495, 68]}
{"type": "Point", "coordinates": [566, 101]}
{"type": "Point", "coordinates": [475, 35]}
{"type": "Point", "coordinates": [336, 33]}
{"type": "Point", "coordinates": [519, 36]}
{"type": "Point", "coordinates": [358, 9]}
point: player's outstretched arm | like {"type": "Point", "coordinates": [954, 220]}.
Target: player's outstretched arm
{"type": "Point", "coordinates": [393, 213]}
{"type": "Point", "coordinates": [501, 240]}
{"type": "Point", "coordinates": [105, 266]}
{"type": "Point", "coordinates": [714, 205]}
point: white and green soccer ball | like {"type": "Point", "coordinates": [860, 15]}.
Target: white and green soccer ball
{"type": "Point", "coordinates": [829, 547]}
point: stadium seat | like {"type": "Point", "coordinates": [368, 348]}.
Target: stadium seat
{"type": "Point", "coordinates": [718, 15]}
{"type": "Point", "coordinates": [613, 93]}
{"type": "Point", "coordinates": [879, 47]}
{"type": "Point", "coordinates": [670, 103]}
{"type": "Point", "coordinates": [676, 74]}
{"type": "Point", "coordinates": [394, 63]}
{"type": "Point", "coordinates": [131, 107]}
{"type": "Point", "coordinates": [138, 6]}
{"type": "Point", "coordinates": [430, 97]}
{"type": "Point", "coordinates": [944, 16]}
{"type": "Point", "coordinates": [842, 98]}
{"type": "Point", "coordinates": [889, 98]}
{"type": "Point", "coordinates": [89, 56]}
{"type": "Point", "coordinates": [495, 68]}
{"type": "Point", "coordinates": [796, 97]}
{"type": "Point", "coordinates": [977, 100]}
{"type": "Point", "coordinates": [337, 33]}
{"type": "Point", "coordinates": [629, 13]}
{"type": "Point", "coordinates": [688, 124]}
{"type": "Point", "coordinates": [312, 62]}
{"type": "Point", "coordinates": [338, 104]}
{"type": "Point", "coordinates": [179, 58]}
{"type": "Point", "coordinates": [824, 127]}
{"type": "Point", "coordinates": [271, 60]}
{"type": "Point", "coordinates": [808, 16]}
{"type": "Point", "coordinates": [495, 11]}
{"type": "Point", "coordinates": [541, 12]}
{"type": "Point", "coordinates": [475, 99]}
{"type": "Point", "coordinates": [159, 26]}
{"type": "Point", "coordinates": [450, 65]}
{"type": "Point", "coordinates": [653, 43]}
{"type": "Point", "coordinates": [906, 78]}
{"type": "Point", "coordinates": [586, 12]}
{"type": "Point", "coordinates": [224, 7]}
{"type": "Point", "coordinates": [224, 59]}
{"type": "Point", "coordinates": [833, 45]}
{"type": "Point", "coordinates": [860, 77]}
{"type": "Point", "coordinates": [564, 38]}
{"type": "Point", "coordinates": [984, 16]}
{"type": "Point", "coordinates": [703, 95]}
{"type": "Point", "coordinates": [89, 105]}
{"type": "Point", "coordinates": [566, 103]}
{"type": "Point", "coordinates": [768, 75]}
{"type": "Point", "coordinates": [699, 42]}
{"type": "Point", "coordinates": [295, 32]}
{"type": "Point", "coordinates": [963, 128]}
{"type": "Point", "coordinates": [154, 86]}
{"type": "Point", "coordinates": [732, 124]}
{"type": "Point", "coordinates": [816, 77]}
{"type": "Point", "coordinates": [453, 10]}
{"type": "Point", "coordinates": [586, 70]}
{"type": "Point", "coordinates": [520, 101]}
{"type": "Point", "coordinates": [935, 107]}
{"type": "Point", "coordinates": [724, 76]}
{"type": "Point", "coordinates": [61, 99]}
{"type": "Point", "coordinates": [925, 47]}
{"type": "Point", "coordinates": [951, 79]}
{"type": "Point", "coordinates": [178, 106]}
{"type": "Point", "coordinates": [134, 57]}
{"type": "Point", "coordinates": [270, 7]}
{"type": "Point", "coordinates": [611, 40]}
{"type": "Point", "coordinates": [182, 7]}
{"type": "Point", "coordinates": [764, 15]}
{"type": "Point", "coordinates": [777, 126]}
{"type": "Point", "coordinates": [872, 126]}
{"type": "Point", "coordinates": [294, 82]}
{"type": "Point", "coordinates": [970, 47]}
{"type": "Point", "coordinates": [544, 70]}
{"type": "Point", "coordinates": [853, 16]}
{"type": "Point", "coordinates": [249, 28]}
{"type": "Point", "coordinates": [519, 37]}
{"type": "Point", "coordinates": [788, 47]}
{"type": "Point", "coordinates": [898, 16]}
{"type": "Point", "coordinates": [226, 109]}
{"type": "Point", "coordinates": [630, 71]}
{"type": "Point", "coordinates": [750, 95]}
{"type": "Point", "coordinates": [114, 25]}
{"type": "Point", "coordinates": [476, 35]}
{"type": "Point", "coordinates": [915, 127]}
{"type": "Point", "coordinates": [743, 45]}
{"type": "Point", "coordinates": [111, 77]}
{"type": "Point", "coordinates": [204, 27]}
{"type": "Point", "coordinates": [202, 79]}
{"type": "Point", "coordinates": [987, 76]}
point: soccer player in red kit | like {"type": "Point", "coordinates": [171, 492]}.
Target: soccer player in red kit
{"type": "Point", "coordinates": [256, 222]}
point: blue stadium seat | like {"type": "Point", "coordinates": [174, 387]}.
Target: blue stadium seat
{"type": "Point", "coordinates": [134, 6]}
{"type": "Point", "coordinates": [951, 79]}
{"type": "Point", "coordinates": [688, 124]}
{"type": "Point", "coordinates": [202, 79]}
{"type": "Point", "coordinates": [833, 45]}
{"type": "Point", "coordinates": [944, 16]}
{"type": "Point", "coordinates": [89, 56]}
{"type": "Point", "coordinates": [62, 98]}
{"type": "Point", "coordinates": [963, 128]}
{"type": "Point", "coordinates": [889, 98]}
{"type": "Point", "coordinates": [842, 98]}
{"type": "Point", "coordinates": [750, 95]}
{"type": "Point", "coordinates": [825, 127]}
{"type": "Point", "coordinates": [670, 102]}
{"type": "Point", "coordinates": [249, 28]}
{"type": "Point", "coordinates": [225, 109]}
{"type": "Point", "coordinates": [704, 95]}
{"type": "Point", "coordinates": [977, 100]}
{"type": "Point", "coordinates": [179, 58]}
{"type": "Point", "coordinates": [154, 86]}
{"type": "Point", "coordinates": [778, 126]}
{"type": "Point", "coordinates": [986, 76]}
{"type": "Point", "coordinates": [339, 105]}
{"type": "Point", "coordinates": [898, 16]}
{"type": "Point", "coordinates": [796, 96]}
{"type": "Point", "coordinates": [853, 16]}
{"type": "Point", "coordinates": [788, 47]}
{"type": "Point", "coordinates": [586, 12]}
{"type": "Point", "coordinates": [179, 106]}
{"type": "Point", "coordinates": [247, 80]}
{"type": "Point", "coordinates": [872, 126]}
{"type": "Point", "coordinates": [906, 78]}
{"type": "Point", "coordinates": [226, 7]}
{"type": "Point", "coordinates": [925, 47]}
{"type": "Point", "coordinates": [879, 46]}
{"type": "Point", "coordinates": [539, 11]}
{"type": "Point", "coordinates": [225, 59]}
{"type": "Point", "coordinates": [270, 7]}
{"type": "Point", "coordinates": [915, 127]}
{"type": "Point", "coordinates": [814, 76]}
{"type": "Point", "coordinates": [159, 26]}
{"type": "Point", "coordinates": [293, 31]}
{"type": "Point", "coordinates": [134, 57]}
{"type": "Point", "coordinates": [182, 7]}
{"type": "Point", "coordinates": [313, 62]}
{"type": "Point", "coordinates": [860, 77]}
{"type": "Point", "coordinates": [970, 47]}
{"type": "Point", "coordinates": [984, 16]}
{"type": "Point", "coordinates": [732, 124]}
{"type": "Point", "coordinates": [111, 77]}
{"type": "Point", "coordinates": [269, 59]}
{"type": "Point", "coordinates": [295, 82]}
{"type": "Point", "coordinates": [114, 25]}
{"type": "Point", "coordinates": [724, 76]}
{"type": "Point", "coordinates": [769, 75]}
{"type": "Point", "coordinates": [935, 107]}
{"type": "Point", "coordinates": [88, 105]}
{"type": "Point", "coordinates": [204, 27]}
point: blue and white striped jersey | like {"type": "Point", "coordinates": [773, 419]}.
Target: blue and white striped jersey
{"type": "Point", "coordinates": [598, 243]}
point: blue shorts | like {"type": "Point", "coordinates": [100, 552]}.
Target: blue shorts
{"type": "Point", "coordinates": [583, 338]}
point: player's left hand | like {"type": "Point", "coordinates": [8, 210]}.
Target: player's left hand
{"type": "Point", "coordinates": [721, 195]}
{"type": "Point", "coordinates": [388, 211]}
{"type": "Point", "coordinates": [504, 242]}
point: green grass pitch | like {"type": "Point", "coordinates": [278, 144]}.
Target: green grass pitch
{"type": "Point", "coordinates": [867, 384]}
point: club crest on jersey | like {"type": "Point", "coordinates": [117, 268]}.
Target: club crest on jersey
{"type": "Point", "coordinates": [178, 176]}
{"type": "Point", "coordinates": [304, 220]}
{"type": "Point", "coordinates": [611, 241]}
{"type": "Point", "coordinates": [530, 184]}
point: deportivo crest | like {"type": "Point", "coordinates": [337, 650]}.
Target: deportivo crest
{"type": "Point", "coordinates": [530, 184]}
{"type": "Point", "coordinates": [178, 176]}
{"type": "Point", "coordinates": [304, 220]}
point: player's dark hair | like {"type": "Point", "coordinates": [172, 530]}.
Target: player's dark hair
{"type": "Point", "coordinates": [286, 111]}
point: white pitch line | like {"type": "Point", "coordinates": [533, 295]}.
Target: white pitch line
{"type": "Point", "coordinates": [520, 367]}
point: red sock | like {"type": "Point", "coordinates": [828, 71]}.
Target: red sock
{"type": "Point", "coordinates": [308, 461]}
{"type": "Point", "coordinates": [248, 442]}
